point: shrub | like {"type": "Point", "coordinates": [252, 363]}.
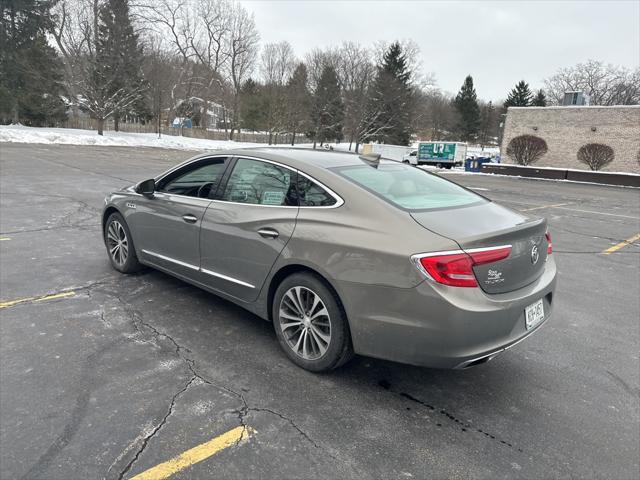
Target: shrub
{"type": "Point", "coordinates": [526, 149]}
{"type": "Point", "coordinates": [595, 155]}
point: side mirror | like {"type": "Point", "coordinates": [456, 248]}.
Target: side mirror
{"type": "Point", "coordinates": [146, 187]}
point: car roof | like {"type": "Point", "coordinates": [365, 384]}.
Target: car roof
{"type": "Point", "coordinates": [299, 157]}
{"type": "Point", "coordinates": [319, 164]}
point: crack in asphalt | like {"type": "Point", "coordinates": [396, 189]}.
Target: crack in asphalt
{"type": "Point", "coordinates": [464, 426]}
{"type": "Point", "coordinates": [156, 429]}
{"type": "Point", "coordinates": [184, 353]}
{"type": "Point", "coordinates": [86, 212]}
{"type": "Point", "coordinates": [590, 235]}
{"type": "Point", "coordinates": [84, 170]}
{"type": "Point", "coordinates": [144, 329]}
{"type": "Point", "coordinates": [292, 423]}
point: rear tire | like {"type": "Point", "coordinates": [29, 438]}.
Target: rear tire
{"type": "Point", "coordinates": [119, 243]}
{"type": "Point", "coordinates": [311, 324]}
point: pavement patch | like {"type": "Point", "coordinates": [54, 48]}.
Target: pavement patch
{"type": "Point", "coordinates": [196, 454]}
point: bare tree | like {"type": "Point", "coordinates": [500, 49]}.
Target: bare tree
{"type": "Point", "coordinates": [355, 71]}
{"type": "Point", "coordinates": [435, 115]}
{"type": "Point", "coordinates": [242, 46]}
{"type": "Point", "coordinates": [174, 20]}
{"type": "Point", "coordinates": [277, 62]}
{"type": "Point", "coordinates": [74, 31]}
{"type": "Point", "coordinates": [605, 84]}
{"type": "Point", "coordinates": [526, 149]}
{"type": "Point", "coordinates": [316, 60]}
{"type": "Point", "coordinates": [89, 83]}
{"type": "Point", "coordinates": [276, 65]}
{"type": "Point", "coordinates": [209, 47]}
{"type": "Point", "coordinates": [595, 155]}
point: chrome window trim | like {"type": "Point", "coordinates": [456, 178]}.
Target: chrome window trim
{"type": "Point", "coordinates": [189, 197]}
{"type": "Point", "coordinates": [160, 177]}
{"type": "Point", "coordinates": [339, 200]}
{"type": "Point", "coordinates": [254, 204]}
{"type": "Point", "coordinates": [199, 269]}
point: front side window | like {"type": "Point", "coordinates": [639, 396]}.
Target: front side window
{"type": "Point", "coordinates": [313, 195]}
{"type": "Point", "coordinates": [261, 183]}
{"type": "Point", "coordinates": [408, 187]}
{"type": "Point", "coordinates": [200, 180]}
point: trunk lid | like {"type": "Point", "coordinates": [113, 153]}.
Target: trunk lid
{"type": "Point", "coordinates": [491, 225]}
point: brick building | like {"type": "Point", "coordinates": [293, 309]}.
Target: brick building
{"type": "Point", "coordinates": [566, 129]}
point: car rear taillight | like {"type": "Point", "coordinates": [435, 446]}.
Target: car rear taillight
{"type": "Point", "coordinates": [456, 268]}
{"type": "Point", "coordinates": [549, 243]}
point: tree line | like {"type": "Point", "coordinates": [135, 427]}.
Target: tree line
{"type": "Point", "coordinates": [153, 61]}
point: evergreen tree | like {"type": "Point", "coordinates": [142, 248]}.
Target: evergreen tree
{"type": "Point", "coordinates": [540, 100]}
{"type": "Point", "coordinates": [520, 96]}
{"type": "Point", "coordinates": [488, 124]}
{"type": "Point", "coordinates": [327, 112]}
{"type": "Point", "coordinates": [298, 102]}
{"type": "Point", "coordinates": [30, 70]}
{"type": "Point", "coordinates": [122, 57]}
{"type": "Point", "coordinates": [466, 104]}
{"type": "Point", "coordinates": [252, 106]}
{"type": "Point", "coordinates": [391, 99]}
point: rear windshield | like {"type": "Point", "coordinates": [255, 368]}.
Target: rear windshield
{"type": "Point", "coordinates": [408, 187]}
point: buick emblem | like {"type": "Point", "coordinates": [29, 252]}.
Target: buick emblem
{"type": "Point", "coordinates": [534, 254]}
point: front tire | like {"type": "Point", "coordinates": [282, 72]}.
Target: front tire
{"type": "Point", "coordinates": [310, 323]}
{"type": "Point", "coordinates": [120, 249]}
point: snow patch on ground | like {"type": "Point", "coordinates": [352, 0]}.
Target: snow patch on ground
{"type": "Point", "coordinates": [70, 136]}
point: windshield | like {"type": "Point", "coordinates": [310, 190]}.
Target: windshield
{"type": "Point", "coordinates": [408, 187]}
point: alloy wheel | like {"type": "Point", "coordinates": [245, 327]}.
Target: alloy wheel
{"type": "Point", "coordinates": [305, 322]}
{"type": "Point", "coordinates": [117, 243]}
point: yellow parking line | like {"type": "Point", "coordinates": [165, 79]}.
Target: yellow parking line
{"type": "Point", "coordinates": [544, 206]}
{"type": "Point", "coordinates": [195, 454]}
{"type": "Point", "coordinates": [42, 298]}
{"type": "Point", "coordinates": [2, 239]}
{"type": "Point", "coordinates": [617, 247]}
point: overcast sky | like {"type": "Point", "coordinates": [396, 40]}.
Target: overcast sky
{"type": "Point", "coordinates": [499, 43]}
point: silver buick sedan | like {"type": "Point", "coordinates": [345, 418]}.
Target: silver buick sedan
{"type": "Point", "coordinates": [343, 254]}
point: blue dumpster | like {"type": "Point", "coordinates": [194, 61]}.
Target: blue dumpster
{"type": "Point", "coordinates": [472, 164]}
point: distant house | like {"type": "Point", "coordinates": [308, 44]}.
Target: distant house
{"type": "Point", "coordinates": [192, 109]}
{"type": "Point", "coordinates": [182, 122]}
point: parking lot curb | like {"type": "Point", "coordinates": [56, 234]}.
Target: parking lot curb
{"type": "Point", "coordinates": [605, 178]}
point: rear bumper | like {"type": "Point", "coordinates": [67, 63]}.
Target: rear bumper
{"type": "Point", "coordinates": [443, 327]}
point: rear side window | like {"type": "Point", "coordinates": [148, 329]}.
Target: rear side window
{"type": "Point", "coordinates": [261, 183]}
{"type": "Point", "coordinates": [408, 187]}
{"type": "Point", "coordinates": [310, 194]}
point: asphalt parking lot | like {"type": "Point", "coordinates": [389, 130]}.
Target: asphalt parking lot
{"type": "Point", "coordinates": [107, 376]}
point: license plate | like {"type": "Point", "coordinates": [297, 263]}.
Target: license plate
{"type": "Point", "coordinates": [533, 314]}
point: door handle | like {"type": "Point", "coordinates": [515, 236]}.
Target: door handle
{"type": "Point", "coordinates": [268, 233]}
{"type": "Point", "coordinates": [190, 218]}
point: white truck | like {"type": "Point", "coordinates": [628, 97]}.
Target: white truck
{"type": "Point", "coordinates": [440, 154]}
{"type": "Point", "coordinates": [392, 152]}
